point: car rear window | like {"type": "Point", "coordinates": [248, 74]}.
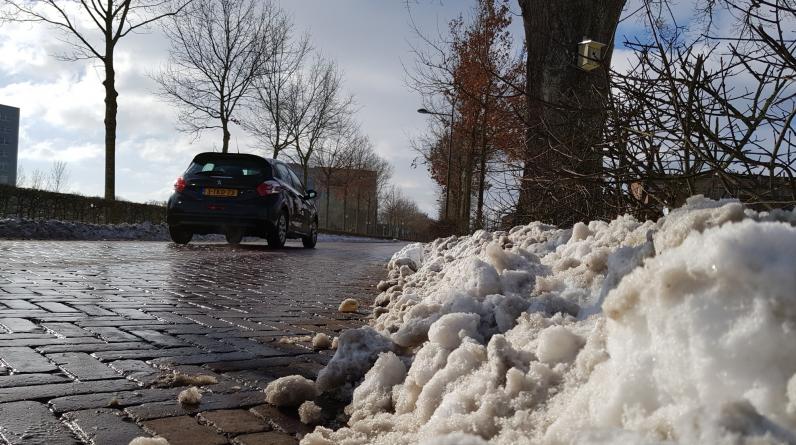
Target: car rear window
{"type": "Point", "coordinates": [228, 167]}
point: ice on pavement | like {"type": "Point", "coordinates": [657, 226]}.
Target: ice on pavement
{"type": "Point", "coordinates": [681, 330]}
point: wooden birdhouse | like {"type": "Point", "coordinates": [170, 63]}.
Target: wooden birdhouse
{"type": "Point", "coordinates": [590, 54]}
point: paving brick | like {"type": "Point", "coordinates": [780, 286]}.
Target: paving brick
{"type": "Point", "coordinates": [20, 304]}
{"type": "Point", "coordinates": [93, 310]}
{"type": "Point", "coordinates": [202, 358]}
{"type": "Point", "coordinates": [93, 347]}
{"type": "Point", "coordinates": [146, 353]}
{"type": "Point", "coordinates": [234, 421]}
{"type": "Point", "coordinates": [281, 421]}
{"type": "Point", "coordinates": [134, 314]}
{"type": "Point", "coordinates": [14, 324]}
{"type": "Point", "coordinates": [112, 334]}
{"type": "Point", "coordinates": [158, 338]}
{"type": "Point", "coordinates": [46, 392]}
{"type": "Point", "coordinates": [31, 423]}
{"type": "Point", "coordinates": [254, 347]}
{"type": "Point", "coordinates": [103, 426]}
{"type": "Point", "coordinates": [83, 366]}
{"type": "Point", "coordinates": [208, 343]}
{"type": "Point", "coordinates": [10, 381]}
{"type": "Point", "coordinates": [50, 341]}
{"type": "Point", "coordinates": [67, 330]}
{"type": "Point", "coordinates": [208, 321]}
{"type": "Point", "coordinates": [184, 430]}
{"type": "Point", "coordinates": [269, 438]}
{"type": "Point", "coordinates": [24, 359]}
{"type": "Point", "coordinates": [113, 399]}
{"type": "Point", "coordinates": [209, 402]}
{"type": "Point", "coordinates": [53, 306]}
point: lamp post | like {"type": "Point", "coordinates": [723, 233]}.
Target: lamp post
{"type": "Point", "coordinates": [450, 151]}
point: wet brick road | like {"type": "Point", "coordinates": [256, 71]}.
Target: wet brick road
{"type": "Point", "coordinates": [90, 333]}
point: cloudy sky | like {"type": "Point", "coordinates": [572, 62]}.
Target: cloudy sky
{"type": "Point", "coordinates": [62, 109]}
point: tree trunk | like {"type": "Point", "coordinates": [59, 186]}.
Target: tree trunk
{"type": "Point", "coordinates": [111, 110]}
{"type": "Point", "coordinates": [561, 177]}
{"type": "Point", "coordinates": [225, 129]}
{"type": "Point", "coordinates": [328, 197]}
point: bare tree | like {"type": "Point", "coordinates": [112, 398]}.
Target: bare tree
{"type": "Point", "coordinates": [268, 119]}
{"type": "Point", "coordinates": [317, 109]}
{"type": "Point", "coordinates": [37, 179]}
{"type": "Point", "coordinates": [94, 29]}
{"type": "Point", "coordinates": [21, 177]}
{"type": "Point", "coordinates": [58, 178]}
{"type": "Point", "coordinates": [219, 48]}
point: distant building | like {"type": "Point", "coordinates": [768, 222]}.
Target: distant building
{"type": "Point", "coordinates": [9, 144]}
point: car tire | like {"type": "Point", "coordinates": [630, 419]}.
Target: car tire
{"type": "Point", "coordinates": [180, 236]}
{"type": "Point", "coordinates": [234, 236]}
{"type": "Point", "coordinates": [311, 240]}
{"type": "Point", "coordinates": [278, 236]}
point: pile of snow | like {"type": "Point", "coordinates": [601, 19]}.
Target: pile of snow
{"type": "Point", "coordinates": [676, 331]}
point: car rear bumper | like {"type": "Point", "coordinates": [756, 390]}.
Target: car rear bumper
{"type": "Point", "coordinates": [205, 217]}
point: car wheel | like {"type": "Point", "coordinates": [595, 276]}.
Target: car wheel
{"type": "Point", "coordinates": [180, 236]}
{"type": "Point", "coordinates": [234, 236]}
{"type": "Point", "coordinates": [311, 240]}
{"type": "Point", "coordinates": [278, 236]}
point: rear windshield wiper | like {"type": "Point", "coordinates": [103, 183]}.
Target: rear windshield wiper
{"type": "Point", "coordinates": [213, 173]}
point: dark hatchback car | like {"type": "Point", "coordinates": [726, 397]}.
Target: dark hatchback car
{"type": "Point", "coordinates": [241, 195]}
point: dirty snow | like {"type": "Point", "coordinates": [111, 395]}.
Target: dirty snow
{"type": "Point", "coordinates": [190, 396]}
{"type": "Point", "coordinates": [348, 305]}
{"type": "Point", "coordinates": [149, 441]}
{"type": "Point", "coordinates": [675, 331]}
{"type": "Point", "coordinates": [310, 413]}
{"type": "Point", "coordinates": [321, 341]}
{"type": "Point", "coordinates": [290, 391]}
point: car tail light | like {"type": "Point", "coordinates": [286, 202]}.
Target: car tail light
{"type": "Point", "coordinates": [179, 186]}
{"type": "Point", "coordinates": [268, 188]}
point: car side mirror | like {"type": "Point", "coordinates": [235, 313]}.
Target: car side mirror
{"type": "Point", "coordinates": [311, 194]}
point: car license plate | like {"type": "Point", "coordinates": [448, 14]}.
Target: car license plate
{"type": "Point", "coordinates": [220, 192]}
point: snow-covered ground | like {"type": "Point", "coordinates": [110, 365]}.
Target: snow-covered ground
{"type": "Point", "coordinates": [681, 330]}
{"type": "Point", "coordinates": [68, 230]}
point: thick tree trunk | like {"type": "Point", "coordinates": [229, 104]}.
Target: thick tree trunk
{"type": "Point", "coordinates": [561, 179]}
{"type": "Point", "coordinates": [111, 110]}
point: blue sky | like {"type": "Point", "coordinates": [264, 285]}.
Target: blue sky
{"type": "Point", "coordinates": [62, 110]}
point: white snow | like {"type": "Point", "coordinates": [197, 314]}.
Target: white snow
{"type": "Point", "coordinates": [681, 330]}
{"type": "Point", "coordinates": [290, 391]}
{"type": "Point", "coordinates": [190, 396]}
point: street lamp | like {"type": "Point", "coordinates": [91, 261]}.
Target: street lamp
{"type": "Point", "coordinates": [450, 151]}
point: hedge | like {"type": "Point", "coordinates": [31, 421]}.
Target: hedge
{"type": "Point", "coordinates": [39, 204]}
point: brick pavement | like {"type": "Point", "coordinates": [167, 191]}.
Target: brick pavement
{"type": "Point", "coordinates": [89, 331]}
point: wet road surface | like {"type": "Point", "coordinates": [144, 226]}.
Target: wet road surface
{"type": "Point", "coordinates": [92, 332]}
